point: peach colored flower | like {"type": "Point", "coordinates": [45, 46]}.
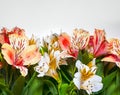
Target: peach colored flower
{"type": "Point", "coordinates": [80, 39]}
{"type": "Point", "coordinates": [114, 52]}
{"type": "Point", "coordinates": [19, 53]}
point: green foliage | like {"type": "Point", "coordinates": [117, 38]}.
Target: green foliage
{"type": "Point", "coordinates": [42, 86]}
{"type": "Point", "coordinates": [84, 56]}
{"type": "Point", "coordinates": [18, 85]}
{"type": "Point", "coordinates": [4, 90]}
{"type": "Point", "coordinates": [31, 85]}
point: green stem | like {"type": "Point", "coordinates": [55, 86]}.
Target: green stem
{"type": "Point", "coordinates": [65, 76]}
{"type": "Point", "coordinates": [28, 84]}
{"type": "Point", "coordinates": [11, 76]}
{"type": "Point", "coordinates": [59, 86]}
{"type": "Point", "coordinates": [6, 71]}
{"type": "Point", "coordinates": [73, 71]}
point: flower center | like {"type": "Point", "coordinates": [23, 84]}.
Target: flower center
{"type": "Point", "coordinates": [86, 74]}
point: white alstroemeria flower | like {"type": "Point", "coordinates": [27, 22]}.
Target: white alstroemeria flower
{"type": "Point", "coordinates": [49, 64]}
{"type": "Point", "coordinates": [51, 42]}
{"type": "Point", "coordinates": [86, 79]}
{"type": "Point", "coordinates": [43, 65]}
{"type": "Point", "coordinates": [93, 84]}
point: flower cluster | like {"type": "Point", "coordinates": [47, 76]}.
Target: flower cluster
{"type": "Point", "coordinates": [59, 64]}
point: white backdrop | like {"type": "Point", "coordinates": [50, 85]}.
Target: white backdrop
{"type": "Point", "coordinates": [41, 17]}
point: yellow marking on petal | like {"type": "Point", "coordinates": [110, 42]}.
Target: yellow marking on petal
{"type": "Point", "coordinates": [53, 73]}
{"type": "Point", "coordinates": [90, 64]}
{"type": "Point", "coordinates": [52, 63]}
{"type": "Point", "coordinates": [86, 74]}
{"type": "Point", "coordinates": [32, 41]}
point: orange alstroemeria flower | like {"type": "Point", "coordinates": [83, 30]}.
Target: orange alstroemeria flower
{"type": "Point", "coordinates": [4, 36]}
{"type": "Point", "coordinates": [114, 52]}
{"type": "Point", "coordinates": [98, 43]}
{"type": "Point", "coordinates": [19, 53]}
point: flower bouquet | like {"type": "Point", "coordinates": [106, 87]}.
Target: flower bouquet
{"type": "Point", "coordinates": [59, 64]}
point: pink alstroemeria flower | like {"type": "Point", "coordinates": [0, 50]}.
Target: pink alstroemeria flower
{"type": "Point", "coordinates": [114, 52]}
{"type": "Point", "coordinates": [98, 43]}
{"type": "Point", "coordinates": [19, 53]}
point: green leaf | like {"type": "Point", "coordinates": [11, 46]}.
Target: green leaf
{"type": "Point", "coordinates": [36, 87]}
{"type": "Point", "coordinates": [43, 50]}
{"type": "Point", "coordinates": [108, 79]}
{"type": "Point", "coordinates": [117, 90]}
{"type": "Point", "coordinates": [118, 78]}
{"type": "Point", "coordinates": [100, 69]}
{"type": "Point", "coordinates": [4, 89]}
{"type": "Point", "coordinates": [51, 87]}
{"type": "Point", "coordinates": [63, 89]}
{"type": "Point", "coordinates": [18, 85]}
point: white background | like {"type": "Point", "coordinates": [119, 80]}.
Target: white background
{"type": "Point", "coordinates": [41, 17]}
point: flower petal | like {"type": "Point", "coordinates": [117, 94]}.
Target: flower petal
{"type": "Point", "coordinates": [64, 41]}
{"type": "Point", "coordinates": [111, 58]}
{"type": "Point", "coordinates": [99, 43]}
{"type": "Point", "coordinates": [93, 84]}
{"type": "Point", "coordinates": [23, 70]}
{"type": "Point", "coordinates": [80, 66]}
{"type": "Point", "coordinates": [31, 55]}
{"type": "Point", "coordinates": [76, 80]}
{"type": "Point", "coordinates": [80, 39]}
{"type": "Point", "coordinates": [8, 53]}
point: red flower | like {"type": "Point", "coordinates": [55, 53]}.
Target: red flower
{"type": "Point", "coordinates": [98, 43]}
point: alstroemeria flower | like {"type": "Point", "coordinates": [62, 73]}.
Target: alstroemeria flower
{"type": "Point", "coordinates": [4, 36]}
{"type": "Point", "coordinates": [19, 53]}
{"type": "Point", "coordinates": [86, 79]}
{"type": "Point", "coordinates": [98, 43]}
{"type": "Point", "coordinates": [51, 42]}
{"type": "Point", "coordinates": [51, 58]}
{"type": "Point", "coordinates": [18, 31]}
{"type": "Point", "coordinates": [49, 64]}
{"type": "Point", "coordinates": [43, 66]}
{"type": "Point", "coordinates": [114, 52]}
{"type": "Point", "coordinates": [66, 45]}
{"type": "Point", "coordinates": [71, 45]}
{"type": "Point", "coordinates": [80, 39]}
{"type": "Point", "coordinates": [65, 41]}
